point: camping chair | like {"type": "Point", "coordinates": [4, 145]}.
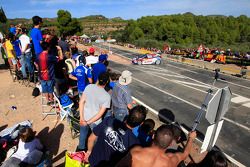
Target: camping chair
{"type": "Point", "coordinates": [64, 110]}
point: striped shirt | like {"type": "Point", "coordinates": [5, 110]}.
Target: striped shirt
{"type": "Point", "coordinates": [121, 96]}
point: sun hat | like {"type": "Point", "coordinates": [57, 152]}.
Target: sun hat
{"type": "Point", "coordinates": [125, 78]}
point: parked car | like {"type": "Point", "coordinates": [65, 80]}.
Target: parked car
{"type": "Point", "coordinates": [147, 59]}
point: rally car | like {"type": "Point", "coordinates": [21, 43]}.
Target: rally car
{"type": "Point", "coordinates": [147, 59]}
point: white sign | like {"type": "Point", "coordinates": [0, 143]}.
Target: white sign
{"type": "Point", "coordinates": [207, 143]}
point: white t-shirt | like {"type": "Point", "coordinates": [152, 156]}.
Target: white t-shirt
{"type": "Point", "coordinates": [25, 40]}
{"type": "Point", "coordinates": [24, 149]}
{"type": "Point", "coordinates": [96, 97]}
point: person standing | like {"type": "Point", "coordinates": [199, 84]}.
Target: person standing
{"type": "Point", "coordinates": [36, 35]}
{"type": "Point", "coordinates": [83, 76]}
{"type": "Point", "coordinates": [99, 68]}
{"type": "Point", "coordinates": [26, 56]}
{"type": "Point", "coordinates": [92, 106]}
{"type": "Point", "coordinates": [112, 138]}
{"type": "Point", "coordinates": [10, 51]}
{"type": "Point", "coordinates": [121, 96]}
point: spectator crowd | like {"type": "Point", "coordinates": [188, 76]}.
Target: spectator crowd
{"type": "Point", "coordinates": [113, 130]}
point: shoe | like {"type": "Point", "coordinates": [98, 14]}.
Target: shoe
{"type": "Point", "coordinates": [78, 149]}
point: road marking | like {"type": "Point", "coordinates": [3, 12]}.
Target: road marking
{"type": "Point", "coordinates": [196, 106]}
{"type": "Point", "coordinates": [182, 69]}
{"type": "Point", "coordinates": [234, 161]}
{"type": "Point", "coordinates": [246, 105]}
{"type": "Point", "coordinates": [185, 101]}
{"type": "Point", "coordinates": [189, 83]}
{"type": "Point", "coordinates": [239, 99]}
{"type": "Point", "coordinates": [235, 84]}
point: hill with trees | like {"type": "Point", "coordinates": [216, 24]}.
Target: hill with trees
{"type": "Point", "coordinates": [188, 31]}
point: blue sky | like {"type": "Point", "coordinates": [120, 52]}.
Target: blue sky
{"type": "Point", "coordinates": [127, 9]}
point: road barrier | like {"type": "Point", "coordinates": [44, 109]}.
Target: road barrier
{"type": "Point", "coordinates": [224, 68]}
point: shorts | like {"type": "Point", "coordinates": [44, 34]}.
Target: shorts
{"type": "Point", "coordinates": [47, 86]}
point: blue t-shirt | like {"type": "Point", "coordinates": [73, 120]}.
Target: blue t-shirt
{"type": "Point", "coordinates": [144, 138]}
{"type": "Point", "coordinates": [98, 69]}
{"type": "Point", "coordinates": [18, 51]}
{"type": "Point", "coordinates": [36, 36]}
{"type": "Point", "coordinates": [82, 73]}
{"type": "Point", "coordinates": [114, 139]}
{"type": "Point", "coordinates": [13, 30]}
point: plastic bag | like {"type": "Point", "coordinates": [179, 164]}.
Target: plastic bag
{"type": "Point", "coordinates": [73, 161]}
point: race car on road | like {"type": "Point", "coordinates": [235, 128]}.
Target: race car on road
{"type": "Point", "coordinates": [147, 59]}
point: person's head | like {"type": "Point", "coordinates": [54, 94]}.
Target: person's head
{"type": "Point", "coordinates": [113, 76]}
{"type": "Point", "coordinates": [125, 78]}
{"type": "Point", "coordinates": [74, 50]}
{"type": "Point", "coordinates": [102, 58]}
{"type": "Point", "coordinates": [54, 41]}
{"type": "Point", "coordinates": [10, 37]}
{"type": "Point", "coordinates": [148, 126]}
{"type": "Point", "coordinates": [103, 79]}
{"type": "Point", "coordinates": [24, 30]}
{"type": "Point", "coordinates": [214, 158]}
{"type": "Point", "coordinates": [136, 116]}
{"type": "Point", "coordinates": [85, 53]}
{"type": "Point", "coordinates": [26, 134]}
{"type": "Point", "coordinates": [163, 136]}
{"type": "Point", "coordinates": [45, 45]}
{"type": "Point", "coordinates": [37, 20]}
{"type": "Point", "coordinates": [12, 25]}
{"type": "Point", "coordinates": [177, 133]}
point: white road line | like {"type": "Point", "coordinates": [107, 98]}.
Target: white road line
{"type": "Point", "coordinates": [235, 84]}
{"type": "Point", "coordinates": [239, 99]}
{"type": "Point", "coordinates": [183, 69]}
{"type": "Point", "coordinates": [234, 161]}
{"type": "Point", "coordinates": [246, 105]}
{"type": "Point", "coordinates": [185, 101]}
{"type": "Point", "coordinates": [196, 106]}
{"type": "Point", "coordinates": [189, 83]}
{"type": "Point", "coordinates": [169, 75]}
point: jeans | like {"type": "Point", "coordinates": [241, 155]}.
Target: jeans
{"type": "Point", "coordinates": [120, 113]}
{"type": "Point", "coordinates": [84, 131]}
{"type": "Point", "coordinates": [26, 61]}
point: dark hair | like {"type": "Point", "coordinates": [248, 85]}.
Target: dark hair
{"type": "Point", "coordinates": [103, 79]}
{"type": "Point", "coordinates": [26, 135]}
{"type": "Point", "coordinates": [45, 45]}
{"type": "Point", "coordinates": [214, 158]}
{"type": "Point", "coordinates": [113, 76]}
{"type": "Point", "coordinates": [10, 37]}
{"type": "Point", "coordinates": [74, 50]}
{"type": "Point", "coordinates": [147, 126]}
{"type": "Point", "coordinates": [136, 116]}
{"type": "Point", "coordinates": [163, 136]}
{"type": "Point", "coordinates": [85, 53]}
{"type": "Point", "coordinates": [24, 30]}
{"type": "Point", "coordinates": [52, 46]}
{"type": "Point", "coordinates": [37, 20]}
{"type": "Point", "coordinates": [177, 132]}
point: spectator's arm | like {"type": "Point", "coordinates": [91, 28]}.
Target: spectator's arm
{"type": "Point", "coordinates": [97, 116]}
{"type": "Point", "coordinates": [60, 53]}
{"type": "Point", "coordinates": [72, 77]}
{"type": "Point", "coordinates": [178, 157]}
{"type": "Point", "coordinates": [90, 80]}
{"type": "Point", "coordinates": [81, 109]}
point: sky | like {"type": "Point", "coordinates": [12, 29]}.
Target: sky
{"type": "Point", "coordinates": [127, 9]}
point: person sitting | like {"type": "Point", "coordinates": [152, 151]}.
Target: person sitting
{"type": "Point", "coordinates": [28, 151]}
{"type": "Point", "coordinates": [145, 132]}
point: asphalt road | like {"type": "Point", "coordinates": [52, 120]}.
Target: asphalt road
{"type": "Point", "coordinates": [181, 89]}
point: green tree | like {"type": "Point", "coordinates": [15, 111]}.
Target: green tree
{"type": "Point", "coordinates": [66, 24]}
{"type": "Point", "coordinates": [136, 34]}
{"type": "Point", "coordinates": [3, 18]}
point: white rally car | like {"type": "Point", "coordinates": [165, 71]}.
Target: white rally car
{"type": "Point", "coordinates": [147, 59]}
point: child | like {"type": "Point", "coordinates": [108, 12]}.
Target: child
{"type": "Point", "coordinates": [10, 51]}
{"type": "Point", "coordinates": [28, 151]}
{"type": "Point", "coordinates": [145, 132]}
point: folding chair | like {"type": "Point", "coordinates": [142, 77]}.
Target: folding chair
{"type": "Point", "coordinates": [47, 110]}
{"type": "Point", "coordinates": [64, 110]}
